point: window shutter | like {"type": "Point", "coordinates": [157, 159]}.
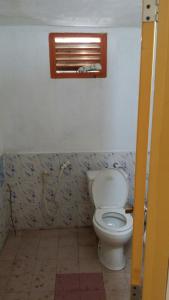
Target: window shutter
{"type": "Point", "coordinates": [77, 55]}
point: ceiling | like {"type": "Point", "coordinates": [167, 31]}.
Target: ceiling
{"type": "Point", "coordinates": [93, 13]}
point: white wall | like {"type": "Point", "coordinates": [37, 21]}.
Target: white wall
{"type": "Point", "coordinates": [39, 114]}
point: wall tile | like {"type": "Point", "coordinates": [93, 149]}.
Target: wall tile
{"type": "Point", "coordinates": [66, 204]}
{"type": "Point", "coordinates": [4, 207]}
{"type": "Point", "coordinates": [2, 177]}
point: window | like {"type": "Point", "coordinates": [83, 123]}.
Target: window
{"type": "Point", "coordinates": [78, 55]}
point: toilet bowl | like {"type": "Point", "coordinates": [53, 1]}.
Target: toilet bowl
{"type": "Point", "coordinates": [109, 191]}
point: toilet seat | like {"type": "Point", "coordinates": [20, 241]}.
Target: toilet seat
{"type": "Point", "coordinates": [117, 220]}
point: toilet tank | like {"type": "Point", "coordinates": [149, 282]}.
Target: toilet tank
{"type": "Point", "coordinates": [91, 175]}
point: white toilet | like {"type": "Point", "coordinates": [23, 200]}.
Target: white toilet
{"type": "Point", "coordinates": [109, 191]}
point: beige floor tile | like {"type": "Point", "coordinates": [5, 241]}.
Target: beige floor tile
{"type": "Point", "coordinates": [27, 253]}
{"type": "Point", "coordinates": [42, 295]}
{"type": "Point", "coordinates": [128, 250]}
{"type": "Point", "coordinates": [68, 253]}
{"type": "Point", "coordinates": [87, 252]}
{"type": "Point", "coordinates": [48, 247]}
{"type": "Point", "coordinates": [50, 242]}
{"type": "Point", "coordinates": [43, 282]}
{"type": "Point", "coordinates": [11, 247]}
{"type": "Point", "coordinates": [115, 280]}
{"type": "Point", "coordinates": [128, 264]}
{"type": "Point", "coordinates": [28, 248]}
{"type": "Point", "coordinates": [5, 267]}
{"type": "Point", "coordinates": [82, 230]}
{"type": "Point", "coordinates": [44, 276]}
{"type": "Point", "coordinates": [4, 281]}
{"type": "Point", "coordinates": [88, 240]}
{"type": "Point", "coordinates": [128, 277]}
{"type": "Point", "coordinates": [20, 296]}
{"type": "Point", "coordinates": [45, 253]}
{"type": "Point", "coordinates": [68, 232]}
{"type": "Point", "coordinates": [30, 234]}
{"type": "Point", "coordinates": [118, 295]}
{"type": "Point", "coordinates": [13, 241]}
{"type": "Point", "coordinates": [90, 266]}
{"type": "Point", "coordinates": [46, 266]}
{"type": "Point", "coordinates": [31, 243]}
{"type": "Point", "coordinates": [19, 283]}
{"type": "Point", "coordinates": [23, 266]}
{"type": "Point", "coordinates": [12, 234]}
{"type": "Point", "coordinates": [67, 266]}
{"type": "Point", "coordinates": [87, 237]}
{"type": "Point", "coordinates": [21, 276]}
{"type": "Point", "coordinates": [70, 240]}
{"type": "Point", "coordinates": [8, 253]}
{"type": "Point", "coordinates": [85, 230]}
{"type": "Point", "coordinates": [49, 233]}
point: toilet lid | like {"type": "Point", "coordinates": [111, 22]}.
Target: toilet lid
{"type": "Point", "coordinates": [110, 189]}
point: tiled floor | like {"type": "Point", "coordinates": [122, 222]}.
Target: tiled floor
{"type": "Point", "coordinates": [30, 261]}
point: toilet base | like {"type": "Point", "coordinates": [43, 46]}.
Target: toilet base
{"type": "Point", "coordinates": [112, 258]}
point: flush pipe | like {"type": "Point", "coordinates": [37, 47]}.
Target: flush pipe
{"type": "Point", "coordinates": [45, 175]}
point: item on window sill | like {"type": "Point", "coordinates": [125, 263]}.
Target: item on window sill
{"type": "Point", "coordinates": [93, 67]}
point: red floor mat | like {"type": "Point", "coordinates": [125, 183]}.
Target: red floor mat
{"type": "Point", "coordinates": [82, 286]}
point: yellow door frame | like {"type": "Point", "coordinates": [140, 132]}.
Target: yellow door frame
{"type": "Point", "coordinates": [157, 244]}
{"type": "Point", "coordinates": [148, 27]}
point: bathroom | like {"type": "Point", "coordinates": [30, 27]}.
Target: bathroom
{"type": "Point", "coordinates": [53, 131]}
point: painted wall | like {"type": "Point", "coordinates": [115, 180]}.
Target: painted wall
{"type": "Point", "coordinates": [39, 114]}
{"type": "Point", "coordinates": [72, 13]}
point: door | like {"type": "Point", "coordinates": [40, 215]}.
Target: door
{"type": "Point", "coordinates": [145, 91]}
{"type": "Point", "coordinates": [157, 242]}
{"type": "Point", "coordinates": [157, 245]}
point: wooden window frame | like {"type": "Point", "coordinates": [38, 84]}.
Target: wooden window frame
{"type": "Point", "coordinates": [52, 56]}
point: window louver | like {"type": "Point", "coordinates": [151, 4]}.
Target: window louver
{"type": "Point", "coordinates": [77, 55]}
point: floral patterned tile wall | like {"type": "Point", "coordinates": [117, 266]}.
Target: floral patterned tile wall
{"type": "Point", "coordinates": [4, 207]}
{"type": "Point", "coordinates": [38, 201]}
